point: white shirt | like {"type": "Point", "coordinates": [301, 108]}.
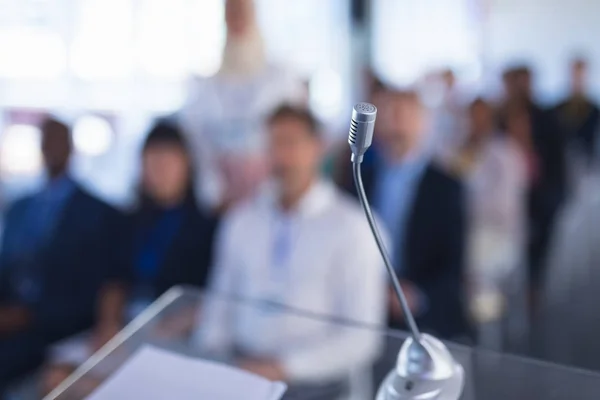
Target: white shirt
{"type": "Point", "coordinates": [333, 269]}
{"type": "Point", "coordinates": [497, 223]}
{"type": "Point", "coordinates": [497, 196]}
{"type": "Point", "coordinates": [224, 116]}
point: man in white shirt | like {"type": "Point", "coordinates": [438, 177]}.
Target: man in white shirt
{"type": "Point", "coordinates": [303, 244]}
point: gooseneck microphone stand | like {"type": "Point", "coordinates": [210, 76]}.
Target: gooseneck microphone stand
{"type": "Point", "coordinates": [425, 369]}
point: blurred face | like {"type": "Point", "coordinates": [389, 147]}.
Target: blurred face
{"type": "Point", "coordinates": [510, 84]}
{"type": "Point", "coordinates": [449, 79]}
{"type": "Point", "coordinates": [295, 153]}
{"type": "Point", "coordinates": [523, 84]}
{"type": "Point", "coordinates": [408, 119]}
{"type": "Point", "coordinates": [578, 77]}
{"type": "Point", "coordinates": [56, 151]}
{"type": "Point", "coordinates": [481, 119]}
{"type": "Point", "coordinates": [519, 127]}
{"type": "Point", "coordinates": [165, 172]}
{"type": "Point", "coordinates": [239, 16]}
{"type": "Point", "coordinates": [385, 113]}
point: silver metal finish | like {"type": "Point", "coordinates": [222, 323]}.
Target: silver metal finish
{"type": "Point", "coordinates": [425, 371]}
{"type": "Point", "coordinates": [425, 368]}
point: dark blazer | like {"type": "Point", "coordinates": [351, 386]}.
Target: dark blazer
{"type": "Point", "coordinates": [547, 194]}
{"type": "Point", "coordinates": [584, 132]}
{"type": "Point", "coordinates": [72, 266]}
{"type": "Point", "coordinates": [188, 257]}
{"type": "Point", "coordinates": [434, 248]}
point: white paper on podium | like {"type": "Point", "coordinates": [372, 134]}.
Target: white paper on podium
{"type": "Point", "coordinates": [156, 374]}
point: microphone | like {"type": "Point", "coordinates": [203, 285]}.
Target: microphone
{"type": "Point", "coordinates": [425, 369]}
{"type": "Point", "coordinates": [362, 125]}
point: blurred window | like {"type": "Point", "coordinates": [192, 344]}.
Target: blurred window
{"type": "Point", "coordinates": [101, 47]}
{"type": "Point", "coordinates": [313, 38]}
{"type": "Point", "coordinates": [20, 151]}
{"type": "Point", "coordinates": [413, 37]}
{"type": "Point", "coordinates": [92, 135]}
{"type": "Point", "coordinates": [31, 53]}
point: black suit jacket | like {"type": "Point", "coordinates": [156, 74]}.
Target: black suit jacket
{"type": "Point", "coordinates": [72, 267]}
{"type": "Point", "coordinates": [188, 257]}
{"type": "Point", "coordinates": [434, 248]}
{"type": "Point", "coordinates": [584, 132]}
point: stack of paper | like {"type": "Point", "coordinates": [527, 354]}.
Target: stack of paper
{"type": "Point", "coordinates": [155, 374]}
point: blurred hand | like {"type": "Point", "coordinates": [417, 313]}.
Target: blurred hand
{"type": "Point", "coordinates": [412, 297]}
{"type": "Point", "coordinates": [13, 319]}
{"type": "Point", "coordinates": [103, 333]}
{"type": "Point", "coordinates": [270, 370]}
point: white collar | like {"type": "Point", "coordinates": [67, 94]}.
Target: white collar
{"type": "Point", "coordinates": [320, 195]}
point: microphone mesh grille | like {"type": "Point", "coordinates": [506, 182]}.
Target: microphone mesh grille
{"type": "Point", "coordinates": [365, 108]}
{"type": "Point", "coordinates": [353, 131]}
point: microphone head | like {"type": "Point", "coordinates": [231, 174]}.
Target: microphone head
{"type": "Point", "coordinates": [362, 125]}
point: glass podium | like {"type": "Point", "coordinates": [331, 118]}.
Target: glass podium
{"type": "Point", "coordinates": [172, 323]}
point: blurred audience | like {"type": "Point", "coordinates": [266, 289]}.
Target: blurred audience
{"type": "Point", "coordinates": [224, 114]}
{"type": "Point", "coordinates": [58, 248]}
{"type": "Point", "coordinates": [167, 242]}
{"type": "Point", "coordinates": [300, 243]}
{"type": "Point", "coordinates": [538, 131]}
{"type": "Point", "coordinates": [494, 168]}
{"type": "Point", "coordinates": [424, 209]}
{"type": "Point", "coordinates": [579, 116]}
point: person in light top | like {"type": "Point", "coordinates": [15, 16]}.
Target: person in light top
{"type": "Point", "coordinates": [494, 168]}
{"type": "Point", "coordinates": [224, 114]}
{"type": "Point", "coordinates": [302, 243]}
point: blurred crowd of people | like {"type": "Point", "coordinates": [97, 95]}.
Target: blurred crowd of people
{"type": "Point", "coordinates": [232, 198]}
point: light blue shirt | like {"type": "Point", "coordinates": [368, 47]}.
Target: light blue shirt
{"type": "Point", "coordinates": [395, 190]}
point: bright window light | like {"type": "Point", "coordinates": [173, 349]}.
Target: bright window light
{"type": "Point", "coordinates": [161, 38]}
{"type": "Point", "coordinates": [20, 151]}
{"type": "Point", "coordinates": [102, 48]}
{"type": "Point", "coordinates": [92, 135]}
{"type": "Point", "coordinates": [31, 53]}
{"type": "Point", "coordinates": [413, 37]}
{"type": "Point", "coordinates": [326, 93]}
{"type": "Point", "coordinates": [206, 24]}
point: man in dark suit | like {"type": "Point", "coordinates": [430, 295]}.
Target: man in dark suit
{"type": "Point", "coordinates": [58, 247]}
{"type": "Point", "coordinates": [423, 209]}
{"type": "Point", "coordinates": [549, 186]}
{"type": "Point", "coordinates": [578, 115]}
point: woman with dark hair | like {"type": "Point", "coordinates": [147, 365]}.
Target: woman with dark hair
{"type": "Point", "coordinates": [167, 242]}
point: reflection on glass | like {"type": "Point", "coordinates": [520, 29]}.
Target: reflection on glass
{"type": "Point", "coordinates": [19, 151]}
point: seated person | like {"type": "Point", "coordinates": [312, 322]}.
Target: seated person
{"type": "Point", "coordinates": [424, 210]}
{"type": "Point", "coordinates": [171, 242]}
{"type": "Point", "coordinates": [57, 245]}
{"type": "Point", "coordinates": [303, 244]}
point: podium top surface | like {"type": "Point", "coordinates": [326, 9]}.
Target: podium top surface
{"type": "Point", "coordinates": [350, 358]}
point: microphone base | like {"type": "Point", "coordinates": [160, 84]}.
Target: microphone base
{"type": "Point", "coordinates": [425, 371]}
